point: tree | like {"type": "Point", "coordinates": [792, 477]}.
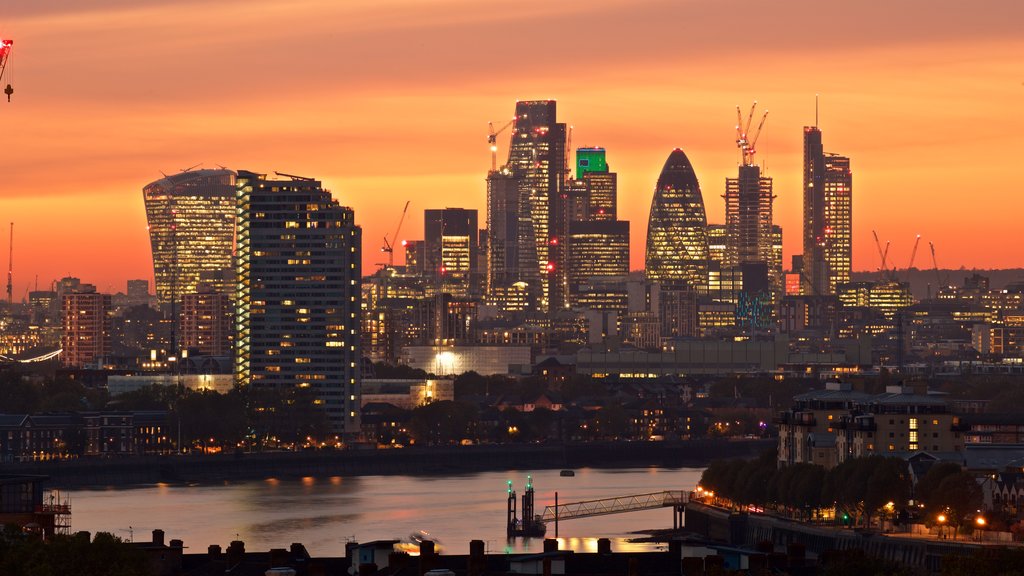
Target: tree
{"type": "Point", "coordinates": [443, 422]}
{"type": "Point", "coordinates": [931, 480]}
{"type": "Point", "coordinates": [958, 496]}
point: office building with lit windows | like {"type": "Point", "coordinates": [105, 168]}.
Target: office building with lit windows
{"type": "Point", "coordinates": [599, 182]}
{"type": "Point", "coordinates": [191, 217]}
{"type": "Point", "coordinates": [297, 303]}
{"type": "Point", "coordinates": [450, 242]}
{"type": "Point", "coordinates": [536, 161]}
{"type": "Point", "coordinates": [827, 218]}
{"type": "Point", "coordinates": [677, 242]}
{"type": "Point", "coordinates": [597, 249]}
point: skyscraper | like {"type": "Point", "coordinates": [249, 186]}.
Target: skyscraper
{"type": "Point", "coordinates": [297, 304]}
{"type": "Point", "coordinates": [537, 161]}
{"type": "Point", "coordinates": [450, 248]}
{"type": "Point", "coordinates": [828, 216]}
{"type": "Point", "coordinates": [748, 217]}
{"type": "Point", "coordinates": [597, 248]}
{"type": "Point", "coordinates": [191, 219]}
{"type": "Point", "coordinates": [677, 243]}
{"type": "Point", "coordinates": [502, 230]}
{"type": "Point", "coordinates": [600, 182]}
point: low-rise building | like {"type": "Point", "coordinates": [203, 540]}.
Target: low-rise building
{"type": "Point", "coordinates": [828, 426]}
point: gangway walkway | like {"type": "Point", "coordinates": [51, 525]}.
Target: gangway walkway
{"type": "Point", "coordinates": [617, 505]}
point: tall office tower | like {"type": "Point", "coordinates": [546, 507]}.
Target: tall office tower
{"type": "Point", "coordinates": [748, 217]}
{"type": "Point", "coordinates": [716, 243]}
{"type": "Point", "coordinates": [677, 242]}
{"type": "Point", "coordinates": [537, 161]}
{"type": "Point", "coordinates": [297, 303]}
{"type": "Point", "coordinates": [86, 325]}
{"type": "Point", "coordinates": [206, 322]}
{"type": "Point", "coordinates": [502, 229]}
{"type": "Point", "coordinates": [601, 184]}
{"type": "Point", "coordinates": [597, 249]}
{"type": "Point", "coordinates": [828, 216]}
{"type": "Point", "coordinates": [450, 239]}
{"type": "Point", "coordinates": [191, 219]}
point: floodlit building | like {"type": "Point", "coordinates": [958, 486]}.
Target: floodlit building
{"type": "Point", "coordinates": [191, 219]}
{"type": "Point", "coordinates": [677, 243]}
{"type": "Point", "coordinates": [297, 304]}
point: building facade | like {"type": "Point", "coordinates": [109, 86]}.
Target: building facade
{"type": "Point", "coordinates": [191, 219]}
{"type": "Point", "coordinates": [827, 216]}
{"type": "Point", "coordinates": [297, 304]}
{"type": "Point", "coordinates": [86, 324]}
{"type": "Point", "coordinates": [677, 243]}
{"type": "Point", "coordinates": [537, 162]}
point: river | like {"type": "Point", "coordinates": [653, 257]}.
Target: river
{"type": "Point", "coordinates": [324, 513]}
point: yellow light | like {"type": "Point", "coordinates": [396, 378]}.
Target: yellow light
{"type": "Point", "coordinates": [980, 521]}
{"type": "Point", "coordinates": [941, 518]}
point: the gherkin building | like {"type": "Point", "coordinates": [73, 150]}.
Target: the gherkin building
{"type": "Point", "coordinates": [677, 241]}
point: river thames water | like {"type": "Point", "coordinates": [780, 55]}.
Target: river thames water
{"type": "Point", "coordinates": [325, 512]}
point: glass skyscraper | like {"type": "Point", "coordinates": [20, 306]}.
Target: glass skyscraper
{"type": "Point", "coordinates": [191, 219]}
{"type": "Point", "coordinates": [828, 216]}
{"type": "Point", "coordinates": [677, 242]}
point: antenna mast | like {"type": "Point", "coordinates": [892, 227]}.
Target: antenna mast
{"type": "Point", "coordinates": [10, 269]}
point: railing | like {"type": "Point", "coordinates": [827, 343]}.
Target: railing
{"type": "Point", "coordinates": [617, 505]}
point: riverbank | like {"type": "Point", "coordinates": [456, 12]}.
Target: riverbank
{"type": "Point", "coordinates": [87, 473]}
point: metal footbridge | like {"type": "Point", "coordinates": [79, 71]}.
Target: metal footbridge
{"type": "Point", "coordinates": [618, 505]}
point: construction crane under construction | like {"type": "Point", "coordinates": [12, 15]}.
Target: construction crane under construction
{"type": "Point", "coordinates": [882, 254]}
{"type": "Point", "coordinates": [6, 47]}
{"type": "Point", "coordinates": [746, 143]}
{"type": "Point", "coordinates": [913, 253]}
{"type": "Point", "coordinates": [389, 247]}
{"type": "Point", "coordinates": [492, 140]}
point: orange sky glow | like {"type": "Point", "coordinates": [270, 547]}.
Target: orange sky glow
{"type": "Point", "coordinates": [388, 101]}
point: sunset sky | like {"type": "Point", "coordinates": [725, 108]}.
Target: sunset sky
{"type": "Point", "coordinates": [388, 101]}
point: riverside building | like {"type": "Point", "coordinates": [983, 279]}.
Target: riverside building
{"type": "Point", "coordinates": [297, 302]}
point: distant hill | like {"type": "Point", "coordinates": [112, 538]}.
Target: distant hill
{"type": "Point", "coordinates": [920, 280]}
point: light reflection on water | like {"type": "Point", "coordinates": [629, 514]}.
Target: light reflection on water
{"type": "Point", "coordinates": [325, 512]}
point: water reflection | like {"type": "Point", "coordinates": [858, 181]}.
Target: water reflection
{"type": "Point", "coordinates": [325, 512]}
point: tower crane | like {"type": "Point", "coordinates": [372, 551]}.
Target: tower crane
{"type": "Point", "coordinates": [882, 254]}
{"type": "Point", "coordinates": [492, 139]}
{"type": "Point", "coordinates": [913, 253]}
{"type": "Point", "coordinates": [935, 266]}
{"type": "Point", "coordinates": [388, 247]}
{"type": "Point", "coordinates": [747, 144]}
{"type": "Point", "coordinates": [6, 46]}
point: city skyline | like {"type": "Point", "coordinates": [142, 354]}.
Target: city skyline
{"type": "Point", "coordinates": [900, 97]}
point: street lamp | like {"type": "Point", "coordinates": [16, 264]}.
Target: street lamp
{"type": "Point", "coordinates": [942, 524]}
{"type": "Point", "coordinates": [980, 522]}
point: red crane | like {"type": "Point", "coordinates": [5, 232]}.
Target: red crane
{"type": "Point", "coordinates": [6, 46]}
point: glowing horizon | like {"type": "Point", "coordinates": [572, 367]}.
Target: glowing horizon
{"type": "Point", "coordinates": [389, 101]}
